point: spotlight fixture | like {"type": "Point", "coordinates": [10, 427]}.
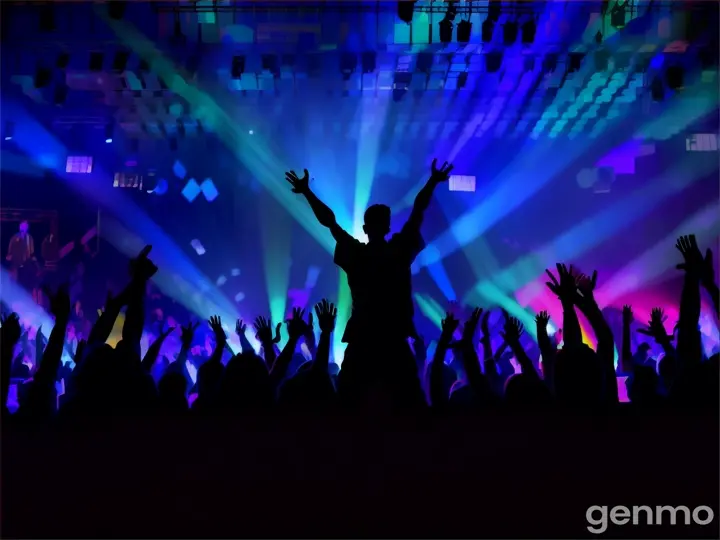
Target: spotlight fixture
{"type": "Point", "coordinates": [62, 61]}
{"type": "Point", "coordinates": [369, 61]}
{"type": "Point", "coordinates": [120, 61]}
{"type": "Point", "coordinates": [488, 27]}
{"type": "Point", "coordinates": [238, 67]}
{"type": "Point", "coordinates": [405, 10]}
{"type": "Point", "coordinates": [528, 32]}
{"type": "Point", "coordinates": [109, 128]}
{"type": "Point", "coordinates": [96, 61]}
{"type": "Point", "coordinates": [494, 10]}
{"type": "Point", "coordinates": [60, 94]}
{"type": "Point", "coordinates": [617, 14]}
{"type": "Point", "coordinates": [180, 128]}
{"type": "Point", "coordinates": [446, 30]}
{"type": "Point", "coordinates": [657, 89]}
{"type": "Point", "coordinates": [464, 29]}
{"type": "Point", "coordinates": [575, 62]}
{"type": "Point", "coordinates": [116, 9]}
{"type": "Point", "coordinates": [493, 61]}
{"type": "Point", "coordinates": [42, 78]}
{"type": "Point", "coordinates": [9, 130]}
{"type": "Point", "coordinates": [510, 32]}
{"type": "Point", "coordinates": [47, 18]}
{"type": "Point", "coordinates": [674, 77]}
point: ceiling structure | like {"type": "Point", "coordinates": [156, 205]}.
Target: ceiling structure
{"type": "Point", "coordinates": [547, 68]}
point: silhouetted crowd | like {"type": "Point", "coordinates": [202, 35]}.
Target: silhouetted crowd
{"type": "Point", "coordinates": [382, 372]}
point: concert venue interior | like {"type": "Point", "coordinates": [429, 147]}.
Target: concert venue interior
{"type": "Point", "coordinates": [579, 131]}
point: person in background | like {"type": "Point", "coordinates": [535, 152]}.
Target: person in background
{"type": "Point", "coordinates": [21, 255]}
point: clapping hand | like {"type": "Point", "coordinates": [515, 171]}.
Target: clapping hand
{"type": "Point", "coordinates": [326, 314]}
{"type": "Point", "coordinates": [443, 173]}
{"type": "Point", "coordinates": [299, 185]}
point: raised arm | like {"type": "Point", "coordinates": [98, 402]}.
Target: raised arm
{"type": "Point", "coordinates": [326, 315]}
{"type": "Point", "coordinates": [438, 397]}
{"type": "Point", "coordinates": [322, 212]}
{"type": "Point", "coordinates": [585, 301]}
{"type": "Point", "coordinates": [423, 198]}
{"type": "Point", "coordinates": [565, 287]}
{"type": "Point", "coordinates": [153, 351]}
{"type": "Point", "coordinates": [511, 333]}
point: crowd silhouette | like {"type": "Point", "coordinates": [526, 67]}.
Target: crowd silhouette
{"type": "Point", "coordinates": [380, 368]}
{"type": "Point", "coordinates": [385, 367]}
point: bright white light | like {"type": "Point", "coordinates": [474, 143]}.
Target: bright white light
{"type": "Point", "coordinates": [108, 141]}
{"type": "Point", "coordinates": [198, 247]}
{"type": "Point", "coordinates": [251, 132]}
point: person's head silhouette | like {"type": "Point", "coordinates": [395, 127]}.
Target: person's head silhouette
{"type": "Point", "coordinates": [24, 227]}
{"type": "Point", "coordinates": [377, 222]}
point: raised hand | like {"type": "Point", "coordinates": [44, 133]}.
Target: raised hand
{"type": "Point", "coordinates": [240, 327]}
{"type": "Point", "coordinates": [187, 333]}
{"type": "Point", "coordinates": [165, 333]}
{"type": "Point", "coordinates": [565, 285]}
{"type": "Point", "coordinates": [542, 319]}
{"type": "Point", "coordinates": [443, 173]}
{"type": "Point", "coordinates": [11, 330]}
{"type": "Point", "coordinates": [263, 330]}
{"type": "Point", "coordinates": [326, 315]}
{"type": "Point", "coordinates": [656, 328]}
{"type": "Point", "coordinates": [310, 323]}
{"type": "Point", "coordinates": [586, 289]}
{"type": "Point", "coordinates": [695, 265]}
{"type": "Point", "coordinates": [512, 330]}
{"type": "Point", "coordinates": [299, 185]}
{"type": "Point", "coordinates": [142, 268]}
{"type": "Point", "coordinates": [216, 327]}
{"type": "Point", "coordinates": [470, 327]}
{"type": "Point", "coordinates": [449, 325]}
{"type": "Point", "coordinates": [59, 301]}
{"type": "Point", "coordinates": [627, 314]}
{"type": "Point", "coordinates": [297, 327]}
{"type": "Point", "coordinates": [485, 324]}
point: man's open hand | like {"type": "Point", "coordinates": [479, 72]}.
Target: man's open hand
{"type": "Point", "coordinates": [299, 185]}
{"type": "Point", "coordinates": [442, 174]}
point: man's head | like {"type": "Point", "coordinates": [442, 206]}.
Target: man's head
{"type": "Point", "coordinates": [24, 227]}
{"type": "Point", "coordinates": [377, 221]}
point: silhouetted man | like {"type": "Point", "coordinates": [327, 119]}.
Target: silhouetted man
{"type": "Point", "coordinates": [378, 272]}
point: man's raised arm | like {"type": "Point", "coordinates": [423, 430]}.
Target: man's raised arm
{"type": "Point", "coordinates": [423, 198]}
{"type": "Point", "coordinates": [323, 213]}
